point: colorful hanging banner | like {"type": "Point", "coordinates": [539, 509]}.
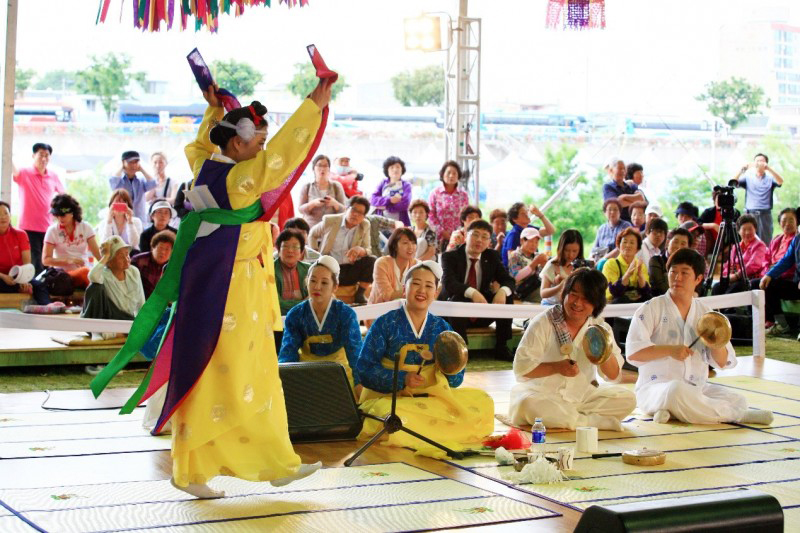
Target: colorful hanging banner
{"type": "Point", "coordinates": [148, 15]}
{"type": "Point", "coordinates": [576, 14]}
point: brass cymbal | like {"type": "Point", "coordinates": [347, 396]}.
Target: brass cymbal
{"type": "Point", "coordinates": [597, 343]}
{"type": "Point", "coordinates": [714, 329]}
{"type": "Point", "coordinates": [450, 352]}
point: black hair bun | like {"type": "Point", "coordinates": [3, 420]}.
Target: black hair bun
{"type": "Point", "coordinates": [259, 108]}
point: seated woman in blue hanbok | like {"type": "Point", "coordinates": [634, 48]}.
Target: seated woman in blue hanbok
{"type": "Point", "coordinates": [430, 403]}
{"type": "Point", "coordinates": [322, 328]}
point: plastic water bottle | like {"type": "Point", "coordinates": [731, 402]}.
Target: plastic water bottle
{"type": "Point", "coordinates": [538, 437]}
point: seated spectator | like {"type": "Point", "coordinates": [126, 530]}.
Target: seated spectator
{"type": "Point", "coordinates": [604, 243]}
{"type": "Point", "coordinates": [426, 237]}
{"type": "Point", "coordinates": [627, 276]}
{"type": "Point", "coordinates": [309, 254]}
{"type": "Point", "coordinates": [390, 270]}
{"type": "Point", "coordinates": [498, 218]}
{"type": "Point", "coordinates": [701, 244]}
{"type": "Point", "coordinates": [467, 216]}
{"type": "Point", "coordinates": [15, 250]}
{"type": "Point", "coordinates": [686, 212]}
{"type": "Point", "coordinates": [712, 217]}
{"type": "Point", "coordinates": [380, 228]}
{"type": "Point", "coordinates": [787, 219]}
{"type": "Point", "coordinates": [638, 218]}
{"type": "Point", "coordinates": [755, 255]}
{"type": "Point", "coordinates": [616, 187]}
{"type": "Point", "coordinates": [653, 243]}
{"type": "Point", "coordinates": [558, 269]}
{"type": "Point", "coordinates": [323, 196]}
{"type": "Point", "coordinates": [37, 187]}
{"type": "Point", "coordinates": [393, 194]}
{"type": "Point", "coordinates": [118, 219]}
{"type": "Point", "coordinates": [657, 267]}
{"type": "Point", "coordinates": [151, 264]}
{"type": "Point", "coordinates": [653, 212]}
{"type": "Point", "coordinates": [70, 243]}
{"type": "Point", "coordinates": [777, 288]}
{"type": "Point", "coordinates": [115, 291]}
{"type": "Point", "coordinates": [446, 202]}
{"type": "Point", "coordinates": [166, 188]}
{"type": "Point", "coordinates": [346, 237]}
{"type": "Point", "coordinates": [524, 265]}
{"type": "Point", "coordinates": [137, 188]}
{"type": "Point", "coordinates": [520, 219]}
{"type": "Point", "coordinates": [161, 212]}
{"type": "Point", "coordinates": [471, 273]}
{"type": "Point", "coordinates": [290, 271]}
{"type": "Point", "coordinates": [323, 328]}
{"type": "Point", "coordinates": [347, 176]}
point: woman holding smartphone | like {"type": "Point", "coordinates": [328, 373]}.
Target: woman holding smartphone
{"type": "Point", "coordinates": [119, 220]}
{"type": "Point", "coordinates": [323, 196]}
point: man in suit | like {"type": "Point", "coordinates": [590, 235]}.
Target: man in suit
{"type": "Point", "coordinates": [470, 271]}
{"type": "Point", "coordinates": [346, 237]}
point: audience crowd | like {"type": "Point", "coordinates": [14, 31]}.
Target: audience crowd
{"type": "Point", "coordinates": [376, 240]}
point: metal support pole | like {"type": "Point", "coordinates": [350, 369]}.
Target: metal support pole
{"type": "Point", "coordinates": [9, 89]}
{"type": "Point", "coordinates": [462, 81]}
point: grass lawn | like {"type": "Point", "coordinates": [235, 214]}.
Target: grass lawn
{"type": "Point", "coordinates": [31, 379]}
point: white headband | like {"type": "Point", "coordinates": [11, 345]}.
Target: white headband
{"type": "Point", "coordinates": [328, 262]}
{"type": "Point", "coordinates": [244, 128]}
{"type": "Point", "coordinates": [433, 266]}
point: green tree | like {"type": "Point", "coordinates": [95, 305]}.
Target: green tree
{"type": "Point", "coordinates": [57, 79]}
{"type": "Point", "coordinates": [238, 77]}
{"type": "Point", "coordinates": [24, 77]}
{"type": "Point", "coordinates": [108, 77]}
{"type": "Point", "coordinates": [581, 207]}
{"type": "Point", "coordinates": [92, 192]}
{"type": "Point", "coordinates": [733, 100]}
{"type": "Point", "coordinates": [305, 80]}
{"type": "Point", "coordinates": [421, 87]}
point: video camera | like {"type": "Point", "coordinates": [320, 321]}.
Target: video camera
{"type": "Point", "coordinates": [726, 199]}
{"type": "Point", "coordinates": [580, 262]}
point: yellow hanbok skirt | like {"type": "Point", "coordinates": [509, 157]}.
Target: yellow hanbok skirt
{"type": "Point", "coordinates": [457, 418]}
{"type": "Point", "coordinates": [233, 422]}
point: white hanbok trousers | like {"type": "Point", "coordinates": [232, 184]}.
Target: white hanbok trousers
{"type": "Point", "coordinates": [604, 401]}
{"type": "Point", "coordinates": [709, 404]}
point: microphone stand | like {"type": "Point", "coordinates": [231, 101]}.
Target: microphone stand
{"type": "Point", "coordinates": [391, 422]}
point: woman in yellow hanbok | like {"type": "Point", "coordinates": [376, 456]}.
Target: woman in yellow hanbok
{"type": "Point", "coordinates": [430, 404]}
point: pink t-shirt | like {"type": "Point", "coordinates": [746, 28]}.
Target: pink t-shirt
{"type": "Point", "coordinates": [36, 191]}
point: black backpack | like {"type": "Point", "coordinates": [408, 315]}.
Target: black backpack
{"type": "Point", "coordinates": [56, 281]}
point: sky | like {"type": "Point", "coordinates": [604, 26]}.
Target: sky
{"type": "Point", "coordinates": [653, 55]}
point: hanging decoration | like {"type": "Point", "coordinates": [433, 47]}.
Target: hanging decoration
{"type": "Point", "coordinates": [149, 15]}
{"type": "Point", "coordinates": [576, 14]}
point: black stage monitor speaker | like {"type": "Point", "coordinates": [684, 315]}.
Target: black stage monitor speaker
{"type": "Point", "coordinates": [722, 512]}
{"type": "Point", "coordinates": [319, 402]}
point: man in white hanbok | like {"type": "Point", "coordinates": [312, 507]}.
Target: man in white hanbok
{"type": "Point", "coordinates": [673, 378]}
{"type": "Point", "coordinates": [556, 382]}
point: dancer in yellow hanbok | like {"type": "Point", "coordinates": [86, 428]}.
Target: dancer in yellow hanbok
{"type": "Point", "coordinates": [430, 404]}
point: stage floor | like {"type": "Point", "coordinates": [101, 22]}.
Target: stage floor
{"type": "Point", "coordinates": [64, 465]}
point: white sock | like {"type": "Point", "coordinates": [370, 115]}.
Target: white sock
{"type": "Point", "coordinates": [305, 470]}
{"type": "Point", "coordinates": [201, 491]}
{"type": "Point", "coordinates": [662, 416]}
{"type": "Point", "coordinates": [757, 416]}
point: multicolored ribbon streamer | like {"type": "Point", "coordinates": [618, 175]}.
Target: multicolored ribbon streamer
{"type": "Point", "coordinates": [150, 14]}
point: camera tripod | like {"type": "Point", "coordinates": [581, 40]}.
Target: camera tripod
{"type": "Point", "coordinates": [728, 236]}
